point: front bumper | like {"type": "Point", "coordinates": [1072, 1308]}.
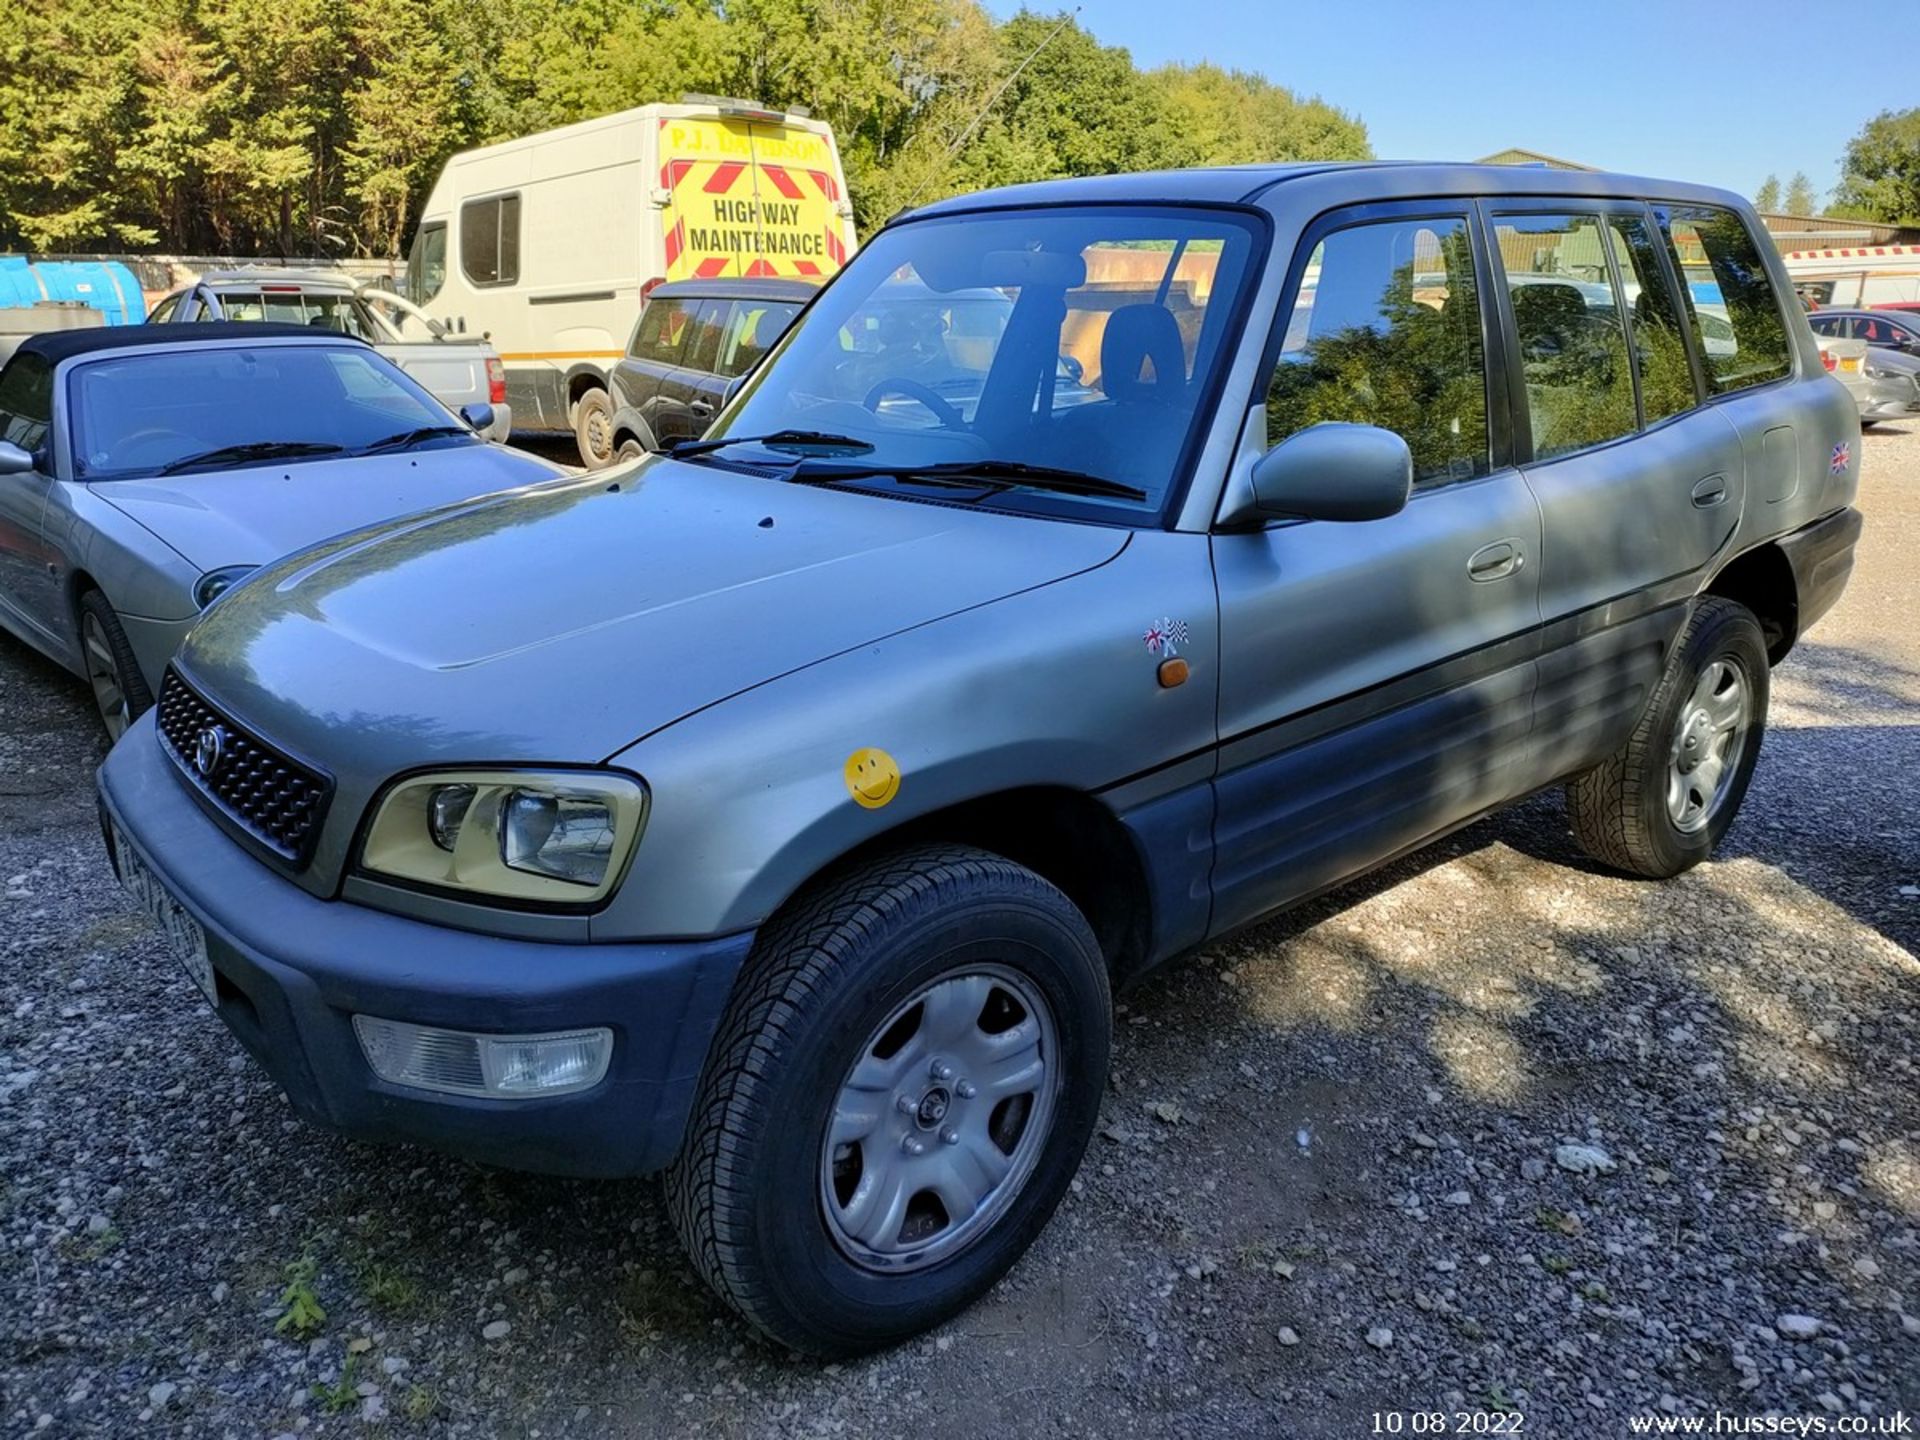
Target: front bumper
{"type": "Point", "coordinates": [291, 971]}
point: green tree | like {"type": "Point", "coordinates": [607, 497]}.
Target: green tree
{"type": "Point", "coordinates": [1232, 117]}
{"type": "Point", "coordinates": [1880, 175]}
{"type": "Point", "coordinates": [1800, 197]}
{"type": "Point", "coordinates": [402, 117]}
{"type": "Point", "coordinates": [1767, 198]}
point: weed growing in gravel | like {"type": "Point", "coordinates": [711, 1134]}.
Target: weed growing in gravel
{"type": "Point", "coordinates": [304, 1314]}
{"type": "Point", "coordinates": [1558, 1221]}
{"type": "Point", "coordinates": [1556, 1264]}
{"type": "Point", "coordinates": [107, 1240]}
{"type": "Point", "coordinates": [421, 1403]}
{"type": "Point", "coordinates": [343, 1394]}
{"type": "Point", "coordinates": [389, 1290]}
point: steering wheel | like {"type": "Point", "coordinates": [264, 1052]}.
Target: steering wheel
{"type": "Point", "coordinates": [141, 439]}
{"type": "Point", "coordinates": [949, 417]}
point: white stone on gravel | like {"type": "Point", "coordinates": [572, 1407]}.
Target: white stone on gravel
{"type": "Point", "coordinates": [496, 1330]}
{"type": "Point", "coordinates": [1287, 1336]}
{"type": "Point", "coordinates": [1379, 1337]}
{"type": "Point", "coordinates": [1797, 1327]}
{"type": "Point", "coordinates": [159, 1394]}
{"type": "Point", "coordinates": [1584, 1160]}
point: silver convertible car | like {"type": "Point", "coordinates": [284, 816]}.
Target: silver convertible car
{"type": "Point", "coordinates": [144, 470]}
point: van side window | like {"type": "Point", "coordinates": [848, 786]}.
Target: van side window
{"type": "Point", "coordinates": [1386, 331]}
{"type": "Point", "coordinates": [1573, 339]}
{"type": "Point", "coordinates": [663, 330]}
{"type": "Point", "coordinates": [1736, 313]}
{"type": "Point", "coordinates": [427, 263]}
{"type": "Point", "coordinates": [1653, 319]}
{"type": "Point", "coordinates": [490, 240]}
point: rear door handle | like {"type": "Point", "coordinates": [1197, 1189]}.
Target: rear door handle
{"type": "Point", "coordinates": [1710, 492]}
{"type": "Point", "coordinates": [1494, 562]}
{"type": "Point", "coordinates": [702, 408]}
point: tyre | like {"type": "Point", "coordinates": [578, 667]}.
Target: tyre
{"type": "Point", "coordinates": [1660, 804]}
{"type": "Point", "coordinates": [119, 689]}
{"type": "Point", "coordinates": [593, 428]}
{"type": "Point", "coordinates": [631, 449]}
{"type": "Point", "coordinates": [896, 1100]}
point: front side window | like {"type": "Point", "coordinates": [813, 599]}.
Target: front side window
{"type": "Point", "coordinates": [138, 413]}
{"type": "Point", "coordinates": [1878, 331]}
{"type": "Point", "coordinates": [1386, 331]}
{"type": "Point", "coordinates": [1088, 341]}
{"type": "Point", "coordinates": [702, 349]}
{"type": "Point", "coordinates": [1735, 310]}
{"type": "Point", "coordinates": [1654, 320]}
{"type": "Point", "coordinates": [756, 324]}
{"type": "Point", "coordinates": [490, 240]}
{"type": "Point", "coordinates": [1572, 335]}
{"type": "Point", "coordinates": [427, 263]}
{"type": "Point", "coordinates": [662, 331]}
{"type": "Point", "coordinates": [26, 401]}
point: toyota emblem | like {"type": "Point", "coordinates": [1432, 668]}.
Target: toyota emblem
{"type": "Point", "coordinates": [209, 750]}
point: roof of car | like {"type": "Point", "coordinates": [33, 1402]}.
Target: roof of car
{"type": "Point", "coordinates": [56, 345]}
{"type": "Point", "coordinates": [755, 289]}
{"type": "Point", "coordinates": [1866, 312]}
{"type": "Point", "coordinates": [1393, 179]}
{"type": "Point", "coordinates": [279, 275]}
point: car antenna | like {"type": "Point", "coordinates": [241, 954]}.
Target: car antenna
{"type": "Point", "coordinates": [992, 100]}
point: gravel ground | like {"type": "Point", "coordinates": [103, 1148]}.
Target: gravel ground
{"type": "Point", "coordinates": [1330, 1179]}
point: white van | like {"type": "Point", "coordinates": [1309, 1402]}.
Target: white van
{"type": "Point", "coordinates": [1860, 276]}
{"type": "Point", "coordinates": [548, 244]}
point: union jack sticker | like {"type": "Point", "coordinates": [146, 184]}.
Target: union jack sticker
{"type": "Point", "coordinates": [1841, 458]}
{"type": "Point", "coordinates": [1165, 637]}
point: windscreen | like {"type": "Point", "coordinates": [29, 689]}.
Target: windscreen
{"type": "Point", "coordinates": [1078, 339]}
{"type": "Point", "coordinates": [139, 412]}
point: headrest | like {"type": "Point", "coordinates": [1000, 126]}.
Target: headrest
{"type": "Point", "coordinates": [1141, 355]}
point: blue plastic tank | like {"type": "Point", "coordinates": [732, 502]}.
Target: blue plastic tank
{"type": "Point", "coordinates": [105, 285]}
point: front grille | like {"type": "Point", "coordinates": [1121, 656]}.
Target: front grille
{"type": "Point", "coordinates": [268, 794]}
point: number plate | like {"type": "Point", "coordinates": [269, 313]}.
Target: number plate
{"type": "Point", "coordinates": [1849, 362]}
{"type": "Point", "coordinates": [184, 934]}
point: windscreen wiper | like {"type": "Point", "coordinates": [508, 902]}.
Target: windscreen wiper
{"type": "Point", "coordinates": [995, 474]}
{"type": "Point", "coordinates": [247, 454]}
{"type": "Point", "coordinates": [414, 436]}
{"type": "Point", "coordinates": [821, 439]}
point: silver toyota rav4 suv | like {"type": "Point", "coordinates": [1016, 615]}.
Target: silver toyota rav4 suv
{"type": "Point", "coordinates": [782, 813]}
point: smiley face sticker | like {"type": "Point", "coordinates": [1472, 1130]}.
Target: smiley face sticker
{"type": "Point", "coordinates": [873, 778]}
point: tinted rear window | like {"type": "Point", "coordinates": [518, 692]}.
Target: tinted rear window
{"type": "Point", "coordinates": [1736, 312]}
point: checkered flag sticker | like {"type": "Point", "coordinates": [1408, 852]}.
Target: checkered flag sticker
{"type": "Point", "coordinates": [1165, 637]}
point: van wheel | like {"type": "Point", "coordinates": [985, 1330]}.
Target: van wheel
{"type": "Point", "coordinates": [1661, 803]}
{"type": "Point", "coordinates": [119, 689]}
{"type": "Point", "coordinates": [897, 1098]}
{"type": "Point", "coordinates": [593, 429]}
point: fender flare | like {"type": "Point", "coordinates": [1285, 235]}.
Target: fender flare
{"type": "Point", "coordinates": [629, 421]}
{"type": "Point", "coordinates": [600, 378]}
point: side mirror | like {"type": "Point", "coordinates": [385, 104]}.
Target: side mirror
{"type": "Point", "coordinates": [1334, 471]}
{"type": "Point", "coordinates": [1071, 367]}
{"type": "Point", "coordinates": [14, 460]}
{"type": "Point", "coordinates": [479, 417]}
{"type": "Point", "coordinates": [733, 388]}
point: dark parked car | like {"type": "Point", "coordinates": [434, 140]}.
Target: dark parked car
{"type": "Point", "coordinates": [693, 337]}
{"type": "Point", "coordinates": [1892, 365]}
{"type": "Point", "coordinates": [1888, 330]}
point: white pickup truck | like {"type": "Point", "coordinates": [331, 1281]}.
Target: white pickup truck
{"type": "Point", "coordinates": [457, 370]}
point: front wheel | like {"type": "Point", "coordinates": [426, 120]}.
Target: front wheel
{"type": "Point", "coordinates": [896, 1101]}
{"type": "Point", "coordinates": [119, 689]}
{"type": "Point", "coordinates": [1660, 804]}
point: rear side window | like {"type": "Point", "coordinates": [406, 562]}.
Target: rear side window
{"type": "Point", "coordinates": [1736, 313]}
{"type": "Point", "coordinates": [1386, 331]}
{"type": "Point", "coordinates": [1828, 324]}
{"type": "Point", "coordinates": [26, 401]}
{"type": "Point", "coordinates": [490, 240]}
{"type": "Point", "coordinates": [1573, 338]}
{"type": "Point", "coordinates": [662, 332]}
{"type": "Point", "coordinates": [1654, 319]}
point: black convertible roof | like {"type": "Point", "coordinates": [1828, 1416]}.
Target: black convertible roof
{"type": "Point", "coordinates": [56, 345]}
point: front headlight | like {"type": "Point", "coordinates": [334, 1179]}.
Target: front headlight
{"type": "Point", "coordinates": [552, 836]}
{"type": "Point", "coordinates": [216, 583]}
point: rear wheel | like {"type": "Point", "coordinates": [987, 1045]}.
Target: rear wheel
{"type": "Point", "coordinates": [593, 428]}
{"type": "Point", "coordinates": [119, 690]}
{"type": "Point", "coordinates": [896, 1101]}
{"type": "Point", "coordinates": [1661, 803]}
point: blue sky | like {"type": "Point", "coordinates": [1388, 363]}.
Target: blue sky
{"type": "Point", "coordinates": [1715, 93]}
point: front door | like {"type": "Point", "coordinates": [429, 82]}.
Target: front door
{"type": "Point", "coordinates": [690, 394]}
{"type": "Point", "coordinates": [29, 585]}
{"type": "Point", "coordinates": [1377, 677]}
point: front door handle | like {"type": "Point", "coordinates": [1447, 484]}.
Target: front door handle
{"type": "Point", "coordinates": [1710, 492]}
{"type": "Point", "coordinates": [1494, 562]}
{"type": "Point", "coordinates": [701, 408]}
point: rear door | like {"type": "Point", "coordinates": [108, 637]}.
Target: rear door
{"type": "Point", "coordinates": [691, 393]}
{"type": "Point", "coordinates": [1376, 679]}
{"type": "Point", "coordinates": [1640, 487]}
{"type": "Point", "coordinates": [751, 196]}
{"type": "Point", "coordinates": [652, 355]}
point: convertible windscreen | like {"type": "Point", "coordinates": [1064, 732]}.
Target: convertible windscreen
{"type": "Point", "coordinates": [1081, 341]}
{"type": "Point", "coordinates": [177, 411]}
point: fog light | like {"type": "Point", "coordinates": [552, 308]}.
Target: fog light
{"type": "Point", "coordinates": [504, 1067]}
